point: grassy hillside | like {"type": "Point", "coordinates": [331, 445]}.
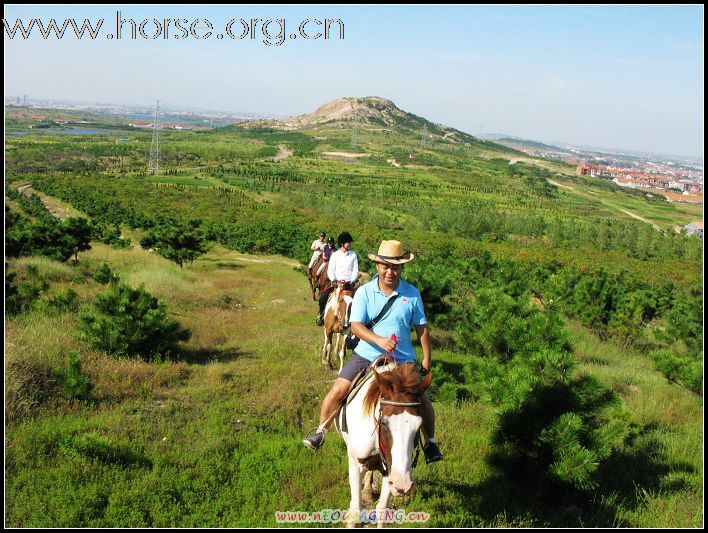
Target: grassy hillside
{"type": "Point", "coordinates": [388, 183]}
{"type": "Point", "coordinates": [212, 438]}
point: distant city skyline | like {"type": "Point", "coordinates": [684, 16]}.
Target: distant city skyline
{"type": "Point", "coordinates": [630, 78]}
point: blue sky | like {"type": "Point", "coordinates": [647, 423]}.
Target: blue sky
{"type": "Point", "coordinates": [621, 77]}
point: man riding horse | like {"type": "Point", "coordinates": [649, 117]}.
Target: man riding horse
{"type": "Point", "coordinates": [343, 269]}
{"type": "Point", "coordinates": [390, 334]}
{"type": "Point", "coordinates": [317, 275]}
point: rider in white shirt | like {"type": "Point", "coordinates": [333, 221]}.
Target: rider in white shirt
{"type": "Point", "coordinates": [317, 248]}
{"type": "Point", "coordinates": [344, 267]}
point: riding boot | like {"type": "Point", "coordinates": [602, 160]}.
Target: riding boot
{"type": "Point", "coordinates": [432, 452]}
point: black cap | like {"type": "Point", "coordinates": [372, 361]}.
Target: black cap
{"type": "Point", "coordinates": [344, 237]}
{"type": "Point", "coordinates": [323, 234]}
{"type": "Point", "coordinates": [330, 241]}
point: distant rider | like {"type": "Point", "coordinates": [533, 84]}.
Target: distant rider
{"type": "Point", "coordinates": [328, 251]}
{"type": "Point", "coordinates": [318, 246]}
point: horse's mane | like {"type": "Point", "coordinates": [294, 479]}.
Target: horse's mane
{"type": "Point", "coordinates": [404, 379]}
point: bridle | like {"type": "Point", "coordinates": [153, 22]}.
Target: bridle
{"type": "Point", "coordinates": [382, 448]}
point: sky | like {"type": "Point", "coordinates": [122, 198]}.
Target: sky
{"type": "Point", "coordinates": [616, 77]}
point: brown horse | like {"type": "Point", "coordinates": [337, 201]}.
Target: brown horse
{"type": "Point", "coordinates": [318, 283]}
{"type": "Point", "coordinates": [336, 320]}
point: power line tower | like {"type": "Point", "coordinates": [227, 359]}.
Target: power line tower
{"type": "Point", "coordinates": [424, 137]}
{"type": "Point", "coordinates": [154, 164]}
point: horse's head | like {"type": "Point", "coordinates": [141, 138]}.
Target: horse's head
{"type": "Point", "coordinates": [400, 419]}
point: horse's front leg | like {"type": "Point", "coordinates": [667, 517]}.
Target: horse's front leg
{"type": "Point", "coordinates": [336, 348]}
{"type": "Point", "coordinates": [383, 502]}
{"type": "Point", "coordinates": [327, 348]}
{"type": "Point", "coordinates": [342, 352]}
{"type": "Point", "coordinates": [355, 471]}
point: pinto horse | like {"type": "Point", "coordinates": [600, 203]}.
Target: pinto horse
{"type": "Point", "coordinates": [382, 422]}
{"type": "Point", "coordinates": [318, 283]}
{"type": "Point", "coordinates": [336, 320]}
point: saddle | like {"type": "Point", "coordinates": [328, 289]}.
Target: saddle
{"type": "Point", "coordinates": [360, 380]}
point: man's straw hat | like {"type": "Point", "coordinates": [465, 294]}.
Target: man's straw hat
{"type": "Point", "coordinates": [391, 252]}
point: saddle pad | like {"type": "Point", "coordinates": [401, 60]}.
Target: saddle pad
{"type": "Point", "coordinates": [363, 377]}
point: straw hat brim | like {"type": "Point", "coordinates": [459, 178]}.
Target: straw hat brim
{"type": "Point", "coordinates": [405, 258]}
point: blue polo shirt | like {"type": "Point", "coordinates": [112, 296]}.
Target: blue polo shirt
{"type": "Point", "coordinates": [406, 311]}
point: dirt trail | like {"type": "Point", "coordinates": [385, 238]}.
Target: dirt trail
{"type": "Point", "coordinates": [639, 218]}
{"type": "Point", "coordinates": [283, 153]}
{"type": "Point", "coordinates": [345, 154]}
{"type": "Point", "coordinates": [560, 185]}
{"type": "Point", "coordinates": [595, 198]}
{"type": "Point", "coordinates": [56, 210]}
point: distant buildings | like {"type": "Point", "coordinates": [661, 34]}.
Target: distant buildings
{"type": "Point", "coordinates": [685, 188]}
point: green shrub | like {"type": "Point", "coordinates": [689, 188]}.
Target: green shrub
{"type": "Point", "coordinates": [563, 431]}
{"type": "Point", "coordinates": [683, 369]}
{"type": "Point", "coordinates": [104, 274]}
{"type": "Point", "coordinates": [62, 301]}
{"type": "Point", "coordinates": [177, 241]}
{"type": "Point", "coordinates": [520, 358]}
{"type": "Point", "coordinates": [76, 385]}
{"type": "Point", "coordinates": [434, 279]}
{"type": "Point", "coordinates": [20, 296]}
{"type": "Point", "coordinates": [131, 321]}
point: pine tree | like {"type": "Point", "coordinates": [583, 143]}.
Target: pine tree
{"type": "Point", "coordinates": [177, 241]}
{"type": "Point", "coordinates": [131, 321]}
{"type": "Point", "coordinates": [558, 426]}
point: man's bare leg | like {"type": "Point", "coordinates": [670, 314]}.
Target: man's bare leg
{"type": "Point", "coordinates": [330, 406]}
{"type": "Point", "coordinates": [331, 402]}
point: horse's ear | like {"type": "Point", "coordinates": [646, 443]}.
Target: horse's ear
{"type": "Point", "coordinates": [425, 383]}
{"type": "Point", "coordinates": [382, 380]}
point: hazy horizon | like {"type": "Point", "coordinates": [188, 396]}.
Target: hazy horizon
{"type": "Point", "coordinates": [623, 77]}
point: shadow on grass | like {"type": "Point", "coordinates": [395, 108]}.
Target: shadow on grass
{"type": "Point", "coordinates": [520, 492]}
{"type": "Point", "coordinates": [454, 369]}
{"type": "Point", "coordinates": [94, 447]}
{"type": "Point", "coordinates": [228, 266]}
{"type": "Point", "coordinates": [203, 356]}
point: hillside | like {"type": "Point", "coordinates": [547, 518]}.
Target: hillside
{"type": "Point", "coordinates": [212, 438]}
{"type": "Point", "coordinates": [372, 112]}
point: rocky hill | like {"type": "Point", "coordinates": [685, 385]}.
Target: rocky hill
{"type": "Point", "coordinates": [372, 112]}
